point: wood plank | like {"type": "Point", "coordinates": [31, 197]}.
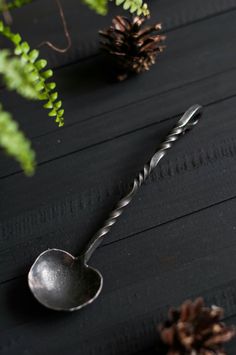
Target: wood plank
{"type": "Point", "coordinates": [65, 212]}
{"type": "Point", "coordinates": [163, 267]}
{"type": "Point", "coordinates": [193, 62]}
{"type": "Point", "coordinates": [40, 21]}
{"type": "Point", "coordinates": [112, 125]}
{"type": "Point", "coordinates": [176, 240]}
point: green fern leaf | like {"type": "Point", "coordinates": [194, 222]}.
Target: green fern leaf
{"type": "Point", "coordinates": [100, 6]}
{"type": "Point", "coordinates": [35, 68]}
{"type": "Point", "coordinates": [14, 142]}
{"type": "Point", "coordinates": [13, 4]}
{"type": "Point", "coordinates": [17, 76]}
{"type": "Point", "coordinates": [133, 6]}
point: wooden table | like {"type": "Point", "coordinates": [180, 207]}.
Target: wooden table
{"type": "Point", "coordinates": [177, 239]}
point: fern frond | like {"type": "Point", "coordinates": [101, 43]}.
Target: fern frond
{"type": "Point", "coordinates": [100, 6]}
{"type": "Point", "coordinates": [17, 76]}
{"type": "Point", "coordinates": [133, 6]}
{"type": "Point", "coordinates": [14, 142]}
{"type": "Point", "coordinates": [4, 5]}
{"type": "Point", "coordinates": [36, 67]}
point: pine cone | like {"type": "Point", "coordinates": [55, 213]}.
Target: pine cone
{"type": "Point", "coordinates": [133, 47]}
{"type": "Point", "coordinates": [194, 329]}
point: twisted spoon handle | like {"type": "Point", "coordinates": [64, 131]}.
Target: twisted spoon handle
{"type": "Point", "coordinates": [187, 121]}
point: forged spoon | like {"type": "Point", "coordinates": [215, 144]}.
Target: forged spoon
{"type": "Point", "coordinates": [61, 281]}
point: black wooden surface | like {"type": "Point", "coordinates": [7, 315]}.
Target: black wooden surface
{"type": "Point", "coordinates": [177, 239]}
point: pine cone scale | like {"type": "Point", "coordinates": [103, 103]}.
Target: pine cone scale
{"type": "Point", "coordinates": [195, 329]}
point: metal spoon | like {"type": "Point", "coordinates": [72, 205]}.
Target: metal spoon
{"type": "Point", "coordinates": [61, 281]}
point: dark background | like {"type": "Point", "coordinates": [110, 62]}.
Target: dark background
{"type": "Point", "coordinates": [177, 239]}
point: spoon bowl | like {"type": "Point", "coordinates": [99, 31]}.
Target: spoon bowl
{"type": "Point", "coordinates": [61, 281]}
